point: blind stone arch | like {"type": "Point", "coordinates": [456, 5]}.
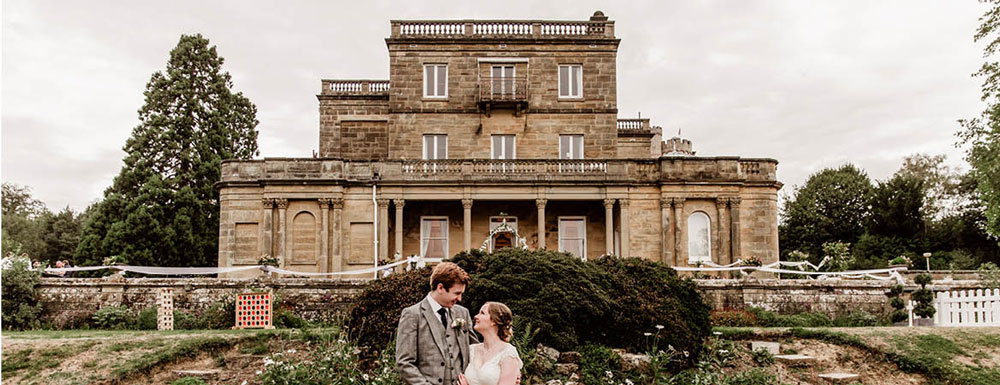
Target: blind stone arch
{"type": "Point", "coordinates": [699, 227]}
{"type": "Point", "coordinates": [304, 238]}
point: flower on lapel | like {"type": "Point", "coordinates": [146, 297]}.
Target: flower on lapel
{"type": "Point", "coordinates": [458, 323]}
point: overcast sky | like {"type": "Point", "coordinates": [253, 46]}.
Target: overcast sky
{"type": "Point", "coordinates": [812, 84]}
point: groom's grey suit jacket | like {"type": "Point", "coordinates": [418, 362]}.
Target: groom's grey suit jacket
{"type": "Point", "coordinates": [427, 353]}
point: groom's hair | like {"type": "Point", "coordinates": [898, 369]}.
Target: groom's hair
{"type": "Point", "coordinates": [448, 274]}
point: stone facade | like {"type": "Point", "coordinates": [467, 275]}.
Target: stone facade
{"type": "Point", "coordinates": [576, 177]}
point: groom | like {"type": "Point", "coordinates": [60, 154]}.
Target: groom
{"type": "Point", "coordinates": [433, 336]}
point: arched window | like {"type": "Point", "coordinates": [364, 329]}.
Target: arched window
{"type": "Point", "coordinates": [699, 238]}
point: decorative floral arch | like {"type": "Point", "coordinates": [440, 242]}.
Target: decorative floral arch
{"type": "Point", "coordinates": [503, 228]}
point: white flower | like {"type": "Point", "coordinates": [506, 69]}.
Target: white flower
{"type": "Point", "coordinates": [647, 334]}
{"type": "Point", "coordinates": [458, 323]}
{"type": "Point", "coordinates": [244, 382]}
{"type": "Point", "coordinates": [659, 327]}
{"type": "Point", "coordinates": [258, 372]}
{"type": "Point", "coordinates": [365, 376]}
{"type": "Point", "coordinates": [628, 382]}
{"type": "Point", "coordinates": [268, 361]}
{"type": "Point", "coordinates": [609, 374]}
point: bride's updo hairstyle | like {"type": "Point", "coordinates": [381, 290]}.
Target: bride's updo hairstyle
{"type": "Point", "coordinates": [501, 315]}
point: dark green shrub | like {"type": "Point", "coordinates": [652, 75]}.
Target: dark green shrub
{"type": "Point", "coordinates": [114, 318]}
{"type": "Point", "coordinates": [21, 308]}
{"type": "Point", "coordinates": [221, 315]}
{"type": "Point", "coordinates": [184, 320]}
{"type": "Point", "coordinates": [147, 319]}
{"type": "Point", "coordinates": [923, 297]}
{"type": "Point", "coordinates": [284, 318]}
{"type": "Point", "coordinates": [733, 318]}
{"type": "Point", "coordinates": [375, 315]}
{"type": "Point", "coordinates": [189, 381]}
{"type": "Point", "coordinates": [647, 296]}
{"type": "Point", "coordinates": [762, 357]}
{"type": "Point", "coordinates": [895, 290]}
{"type": "Point", "coordinates": [897, 303]}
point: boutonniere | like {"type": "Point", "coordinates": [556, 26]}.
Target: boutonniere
{"type": "Point", "coordinates": [458, 323]}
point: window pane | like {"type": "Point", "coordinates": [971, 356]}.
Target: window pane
{"type": "Point", "coordinates": [436, 229]}
{"type": "Point", "coordinates": [563, 81]}
{"type": "Point", "coordinates": [577, 146]}
{"type": "Point", "coordinates": [497, 147]}
{"type": "Point", "coordinates": [435, 249]}
{"type": "Point", "coordinates": [574, 247]}
{"type": "Point", "coordinates": [442, 80]}
{"type": "Point", "coordinates": [564, 147]}
{"type": "Point", "coordinates": [442, 147]}
{"type": "Point", "coordinates": [429, 80]}
{"type": "Point", "coordinates": [508, 147]}
{"type": "Point", "coordinates": [428, 146]}
{"type": "Point", "coordinates": [578, 81]}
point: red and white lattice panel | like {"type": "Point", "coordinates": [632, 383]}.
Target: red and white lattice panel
{"type": "Point", "coordinates": [253, 311]}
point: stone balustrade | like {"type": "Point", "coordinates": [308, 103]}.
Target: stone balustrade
{"type": "Point", "coordinates": [665, 169]}
{"type": "Point", "coordinates": [479, 29]}
{"type": "Point", "coordinates": [355, 87]}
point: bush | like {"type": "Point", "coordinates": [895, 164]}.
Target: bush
{"type": "Point", "coordinates": [147, 319]}
{"type": "Point", "coordinates": [188, 381]}
{"type": "Point", "coordinates": [114, 318]}
{"type": "Point", "coordinates": [754, 376]}
{"type": "Point", "coordinates": [733, 318]}
{"type": "Point", "coordinates": [284, 318]}
{"type": "Point", "coordinates": [762, 357]}
{"type": "Point", "coordinates": [21, 308]}
{"type": "Point", "coordinates": [375, 315]}
{"type": "Point", "coordinates": [561, 296]}
{"type": "Point", "coordinates": [857, 318]}
{"type": "Point", "coordinates": [923, 297]}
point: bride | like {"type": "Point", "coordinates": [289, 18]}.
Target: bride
{"type": "Point", "coordinates": [495, 361]}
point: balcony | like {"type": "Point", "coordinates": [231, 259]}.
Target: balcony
{"type": "Point", "coordinates": [503, 92]}
{"type": "Point", "coordinates": [596, 28]}
{"type": "Point", "coordinates": [674, 170]}
{"type": "Point", "coordinates": [357, 87]}
{"type": "Point", "coordinates": [634, 127]}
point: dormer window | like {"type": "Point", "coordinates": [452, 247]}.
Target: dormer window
{"type": "Point", "coordinates": [435, 80]}
{"type": "Point", "coordinates": [570, 81]}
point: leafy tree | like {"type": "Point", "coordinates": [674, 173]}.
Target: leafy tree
{"type": "Point", "coordinates": [940, 181]}
{"type": "Point", "coordinates": [897, 207]}
{"type": "Point", "coordinates": [981, 135]}
{"type": "Point", "coordinates": [60, 235]}
{"type": "Point", "coordinates": [162, 209]}
{"type": "Point", "coordinates": [20, 220]}
{"type": "Point", "coordinates": [832, 206]}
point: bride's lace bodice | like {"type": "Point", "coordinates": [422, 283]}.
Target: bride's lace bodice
{"type": "Point", "coordinates": [488, 372]}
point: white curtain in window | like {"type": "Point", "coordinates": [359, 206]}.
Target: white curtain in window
{"type": "Point", "coordinates": [434, 238]}
{"type": "Point", "coordinates": [572, 236]}
{"type": "Point", "coordinates": [699, 237]}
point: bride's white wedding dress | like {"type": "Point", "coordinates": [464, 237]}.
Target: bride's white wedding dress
{"type": "Point", "coordinates": [488, 372]}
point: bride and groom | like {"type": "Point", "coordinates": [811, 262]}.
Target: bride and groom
{"type": "Point", "coordinates": [436, 345]}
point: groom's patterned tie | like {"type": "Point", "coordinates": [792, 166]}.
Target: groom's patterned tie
{"type": "Point", "coordinates": [444, 317]}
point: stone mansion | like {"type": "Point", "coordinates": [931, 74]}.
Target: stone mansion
{"type": "Point", "coordinates": [493, 134]}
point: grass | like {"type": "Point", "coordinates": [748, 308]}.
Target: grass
{"type": "Point", "coordinates": [930, 355]}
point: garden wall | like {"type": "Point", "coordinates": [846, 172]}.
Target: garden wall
{"type": "Point", "coordinates": [321, 298]}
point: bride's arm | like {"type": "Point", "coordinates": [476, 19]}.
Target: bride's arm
{"type": "Point", "coordinates": [510, 371]}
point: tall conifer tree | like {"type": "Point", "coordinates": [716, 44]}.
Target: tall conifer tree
{"type": "Point", "coordinates": [162, 209]}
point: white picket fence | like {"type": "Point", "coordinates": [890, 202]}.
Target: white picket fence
{"type": "Point", "coordinates": [967, 308]}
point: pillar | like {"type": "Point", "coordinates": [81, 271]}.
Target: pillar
{"type": "Point", "coordinates": [680, 235]}
{"type": "Point", "coordinates": [665, 233]}
{"type": "Point", "coordinates": [466, 224]}
{"type": "Point", "coordinates": [337, 253]}
{"type": "Point", "coordinates": [266, 227]}
{"type": "Point", "coordinates": [399, 225]}
{"type": "Point", "coordinates": [609, 226]}
{"type": "Point", "coordinates": [623, 209]}
{"type": "Point", "coordinates": [282, 231]}
{"type": "Point", "coordinates": [540, 203]}
{"type": "Point", "coordinates": [734, 212]}
{"type": "Point", "coordinates": [324, 251]}
{"type": "Point", "coordinates": [721, 204]}
{"type": "Point", "coordinates": [383, 228]}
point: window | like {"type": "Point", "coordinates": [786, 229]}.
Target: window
{"type": "Point", "coordinates": [699, 238]}
{"type": "Point", "coordinates": [503, 238]}
{"type": "Point", "coordinates": [573, 236]}
{"type": "Point", "coordinates": [571, 81]}
{"type": "Point", "coordinates": [435, 147]}
{"type": "Point", "coordinates": [434, 237]}
{"type": "Point", "coordinates": [502, 147]}
{"type": "Point", "coordinates": [502, 80]}
{"type": "Point", "coordinates": [570, 146]}
{"type": "Point", "coordinates": [435, 80]}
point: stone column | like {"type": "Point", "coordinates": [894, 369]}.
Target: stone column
{"type": "Point", "coordinates": [734, 206]}
{"type": "Point", "coordinates": [623, 208]}
{"type": "Point", "coordinates": [383, 228]}
{"type": "Point", "coordinates": [665, 234]}
{"type": "Point", "coordinates": [680, 235]}
{"type": "Point", "coordinates": [337, 254]}
{"type": "Point", "coordinates": [282, 232]}
{"type": "Point", "coordinates": [266, 227]}
{"type": "Point", "coordinates": [399, 224]}
{"type": "Point", "coordinates": [609, 226]}
{"type": "Point", "coordinates": [466, 224]}
{"type": "Point", "coordinates": [540, 203]}
{"type": "Point", "coordinates": [722, 224]}
{"type": "Point", "coordinates": [324, 251]}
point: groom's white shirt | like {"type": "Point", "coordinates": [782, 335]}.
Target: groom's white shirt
{"type": "Point", "coordinates": [435, 306]}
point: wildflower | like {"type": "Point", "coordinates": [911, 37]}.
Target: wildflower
{"type": "Point", "coordinates": [660, 327]}
{"type": "Point", "coordinates": [609, 374]}
{"type": "Point", "coordinates": [628, 382]}
{"type": "Point", "coordinates": [291, 351]}
{"type": "Point", "coordinates": [268, 361]}
{"type": "Point", "coordinates": [647, 334]}
{"type": "Point", "coordinates": [258, 372]}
